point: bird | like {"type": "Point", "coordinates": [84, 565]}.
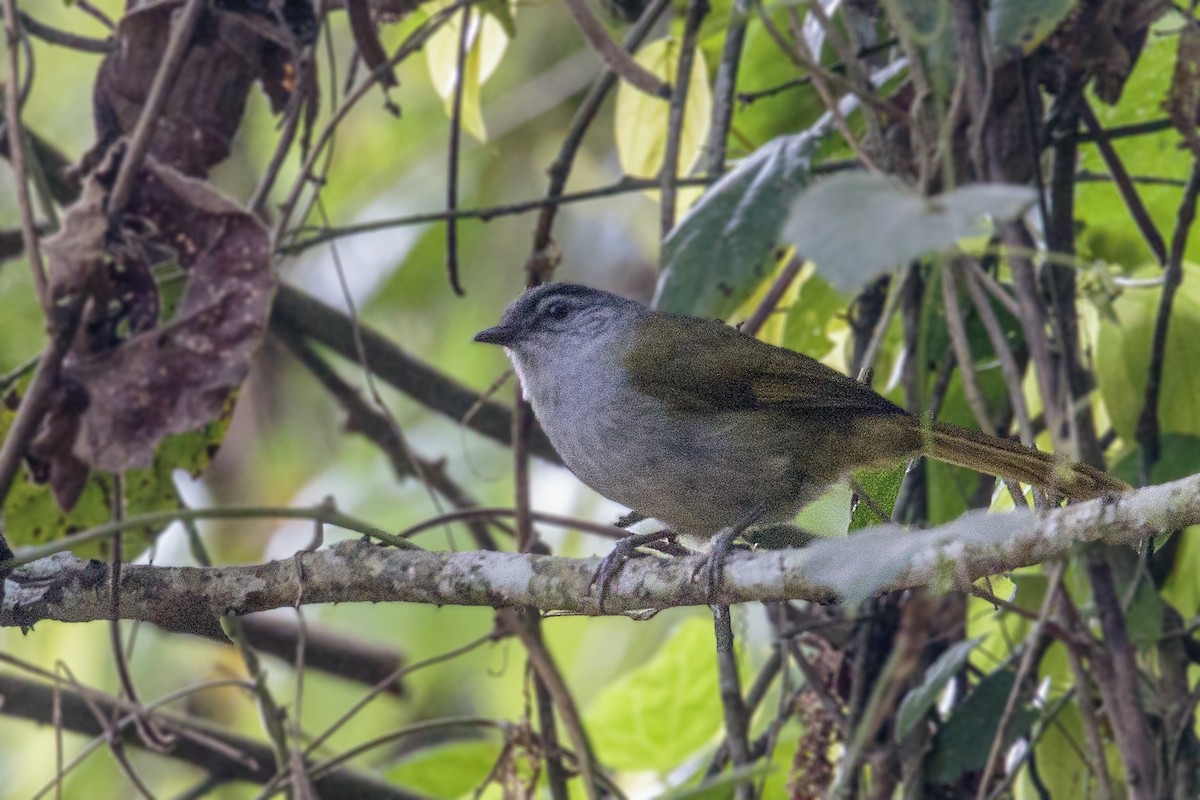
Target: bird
{"type": "Point", "coordinates": [711, 431]}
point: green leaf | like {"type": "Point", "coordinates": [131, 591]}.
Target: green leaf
{"type": "Point", "coordinates": [723, 248]}
{"type": "Point", "coordinates": [829, 223]}
{"type": "Point", "coordinates": [1123, 358]}
{"type": "Point", "coordinates": [32, 515]}
{"type": "Point", "coordinates": [920, 699]}
{"type": "Point", "coordinates": [962, 745]}
{"type": "Point", "coordinates": [883, 485]}
{"type": "Point", "coordinates": [663, 712]}
{"type": "Point", "coordinates": [1109, 231]}
{"type": "Point", "coordinates": [450, 770]}
{"type": "Point", "coordinates": [1182, 588]}
{"type": "Point", "coordinates": [807, 326]}
{"type": "Point", "coordinates": [640, 120]}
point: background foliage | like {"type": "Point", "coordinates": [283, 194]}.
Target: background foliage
{"type": "Point", "coordinates": [993, 200]}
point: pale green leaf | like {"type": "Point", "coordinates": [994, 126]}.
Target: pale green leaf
{"type": "Point", "coordinates": [921, 698]}
{"type": "Point", "coordinates": [668, 709]}
{"type": "Point", "coordinates": [487, 40]}
{"type": "Point", "coordinates": [857, 226]}
{"type": "Point", "coordinates": [640, 120]}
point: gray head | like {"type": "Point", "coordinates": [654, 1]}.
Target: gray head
{"type": "Point", "coordinates": [558, 316]}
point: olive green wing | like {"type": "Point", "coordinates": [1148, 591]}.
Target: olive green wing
{"type": "Point", "coordinates": [694, 364]}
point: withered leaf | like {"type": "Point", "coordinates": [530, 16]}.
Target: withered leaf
{"type": "Point", "coordinates": [130, 380]}
{"type": "Point", "coordinates": [230, 50]}
{"type": "Point", "coordinates": [177, 376]}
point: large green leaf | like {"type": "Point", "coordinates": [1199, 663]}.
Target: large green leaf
{"type": "Point", "coordinates": [856, 226]}
{"type": "Point", "coordinates": [663, 712]}
{"type": "Point", "coordinates": [963, 743]}
{"type": "Point", "coordinates": [1109, 231]}
{"type": "Point", "coordinates": [723, 248]}
{"type": "Point", "coordinates": [1123, 358]}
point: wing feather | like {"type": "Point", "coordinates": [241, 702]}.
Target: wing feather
{"type": "Point", "coordinates": [703, 365]}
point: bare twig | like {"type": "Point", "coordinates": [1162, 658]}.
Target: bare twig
{"type": "Point", "coordinates": [303, 314]}
{"type": "Point", "coordinates": [624, 186]}
{"type": "Point", "coordinates": [734, 710]}
{"type": "Point", "coordinates": [617, 59]}
{"type": "Point", "coordinates": [33, 700]}
{"type": "Point", "coordinates": [957, 328]}
{"type": "Point", "coordinates": [1116, 168]}
{"type": "Point", "coordinates": [1117, 675]}
{"type": "Point", "coordinates": [771, 299]}
{"type": "Point", "coordinates": [35, 404]}
{"type": "Point", "coordinates": [1008, 361]}
{"type": "Point", "coordinates": [543, 258]}
{"type": "Point", "coordinates": [74, 41]}
{"type": "Point", "coordinates": [726, 85]}
{"type": "Point", "coordinates": [452, 152]}
{"type": "Point", "coordinates": [1024, 669]}
{"type": "Point", "coordinates": [697, 9]}
{"type": "Point", "coordinates": [1148, 424]}
{"type": "Point", "coordinates": [17, 150]}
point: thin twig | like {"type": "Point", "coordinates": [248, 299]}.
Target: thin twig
{"type": "Point", "coordinates": [74, 41]}
{"type": "Point", "coordinates": [543, 258]}
{"type": "Point", "coordinates": [956, 326]}
{"type": "Point", "coordinates": [413, 43]}
{"type": "Point", "coordinates": [697, 9]}
{"type": "Point", "coordinates": [624, 186]}
{"type": "Point", "coordinates": [1024, 670]}
{"type": "Point", "coordinates": [452, 152]}
{"type": "Point", "coordinates": [736, 715]}
{"type": "Point", "coordinates": [1129, 193]}
{"type": "Point", "coordinates": [773, 296]}
{"type": "Point", "coordinates": [1117, 675]}
{"type": "Point", "coordinates": [17, 149]}
{"type": "Point", "coordinates": [725, 86]}
{"type": "Point", "coordinates": [616, 58]}
{"type": "Point", "coordinates": [1148, 423]}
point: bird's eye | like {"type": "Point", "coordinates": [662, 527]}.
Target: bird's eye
{"type": "Point", "coordinates": [557, 310]}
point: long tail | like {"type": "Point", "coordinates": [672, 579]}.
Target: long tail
{"type": "Point", "coordinates": [1008, 459]}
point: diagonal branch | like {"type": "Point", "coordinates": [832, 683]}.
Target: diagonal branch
{"type": "Point", "coordinates": [882, 559]}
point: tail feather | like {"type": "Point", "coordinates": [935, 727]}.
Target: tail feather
{"type": "Point", "coordinates": [1005, 458]}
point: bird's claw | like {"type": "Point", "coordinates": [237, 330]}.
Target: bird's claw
{"type": "Point", "coordinates": [714, 565]}
{"type": "Point", "coordinates": [610, 567]}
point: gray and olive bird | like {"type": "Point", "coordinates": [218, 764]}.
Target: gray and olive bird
{"type": "Point", "coordinates": [711, 431]}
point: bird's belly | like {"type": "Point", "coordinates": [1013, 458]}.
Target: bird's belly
{"type": "Point", "coordinates": [696, 474]}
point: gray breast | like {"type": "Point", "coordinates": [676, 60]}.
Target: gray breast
{"type": "Point", "coordinates": [696, 473]}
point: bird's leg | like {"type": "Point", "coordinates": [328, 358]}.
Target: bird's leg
{"type": "Point", "coordinates": [722, 545]}
{"type": "Point", "coordinates": [622, 551]}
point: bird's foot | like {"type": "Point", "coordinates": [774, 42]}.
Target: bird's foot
{"type": "Point", "coordinates": [622, 551]}
{"type": "Point", "coordinates": [714, 565]}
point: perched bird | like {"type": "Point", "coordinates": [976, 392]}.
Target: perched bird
{"type": "Point", "coordinates": [712, 431]}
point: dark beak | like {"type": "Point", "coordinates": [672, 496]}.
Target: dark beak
{"type": "Point", "coordinates": [501, 334]}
